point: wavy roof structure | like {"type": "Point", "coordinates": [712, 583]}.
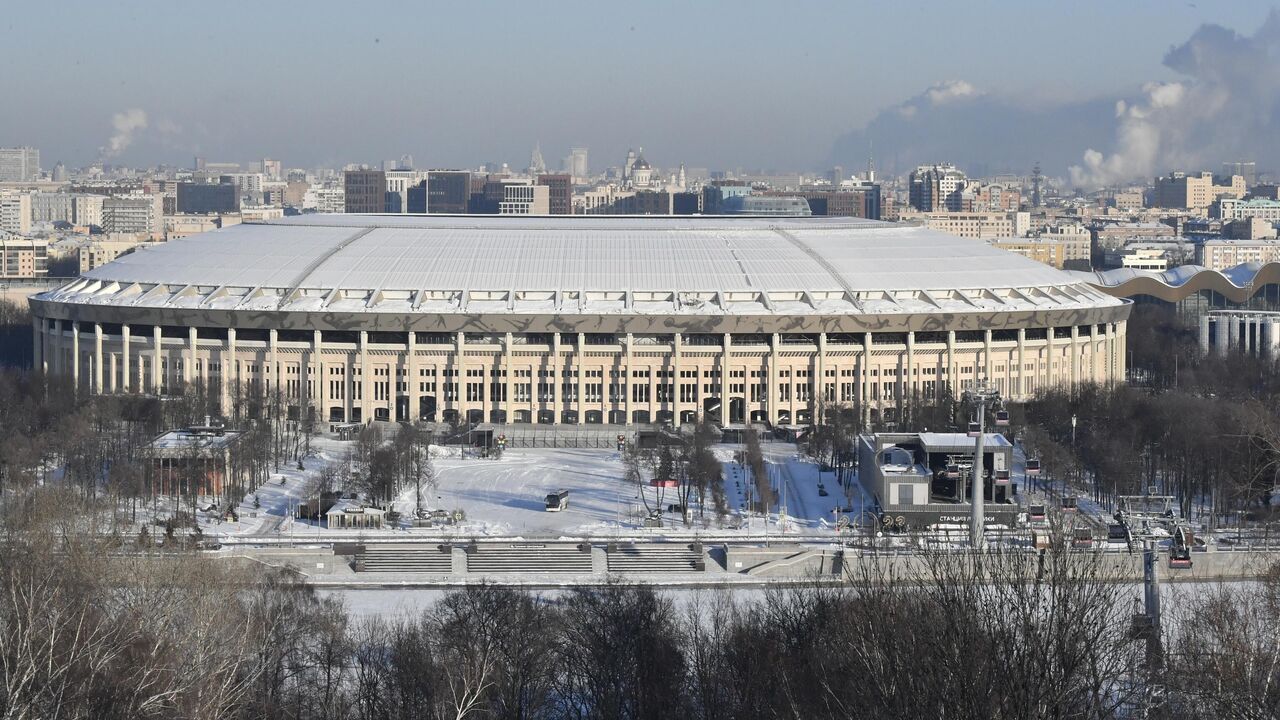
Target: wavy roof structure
{"type": "Point", "coordinates": [696, 265]}
{"type": "Point", "coordinates": [1237, 284]}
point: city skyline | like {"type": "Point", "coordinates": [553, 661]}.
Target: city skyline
{"type": "Point", "coordinates": [751, 97]}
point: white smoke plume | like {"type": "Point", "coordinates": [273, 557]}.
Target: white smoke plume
{"type": "Point", "coordinates": [1226, 109]}
{"type": "Point", "coordinates": [126, 125]}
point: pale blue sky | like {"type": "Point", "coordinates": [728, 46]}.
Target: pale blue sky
{"type": "Point", "coordinates": [750, 84]}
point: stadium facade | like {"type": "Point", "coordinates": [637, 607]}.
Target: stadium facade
{"type": "Point", "coordinates": [624, 320]}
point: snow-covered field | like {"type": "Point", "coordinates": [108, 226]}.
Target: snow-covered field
{"type": "Point", "coordinates": [506, 497]}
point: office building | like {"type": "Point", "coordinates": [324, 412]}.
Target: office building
{"type": "Point", "coordinates": [20, 164]}
{"type": "Point", "coordinates": [203, 198]}
{"type": "Point", "coordinates": [364, 191]}
{"type": "Point", "coordinates": [938, 188]}
{"type": "Point", "coordinates": [137, 214]}
{"type": "Point", "coordinates": [23, 258]}
{"type": "Point", "coordinates": [15, 213]}
{"type": "Point", "coordinates": [525, 199]}
{"type": "Point", "coordinates": [559, 193]}
{"type": "Point", "coordinates": [1178, 190]}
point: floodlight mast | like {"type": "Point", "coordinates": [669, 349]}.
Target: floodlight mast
{"type": "Point", "coordinates": [981, 395]}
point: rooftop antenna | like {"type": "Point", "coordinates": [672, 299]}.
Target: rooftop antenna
{"type": "Point", "coordinates": [871, 161]}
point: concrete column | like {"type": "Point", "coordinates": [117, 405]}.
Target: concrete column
{"type": "Point", "coordinates": [909, 385]}
{"type": "Point", "coordinates": [366, 399]}
{"type": "Point", "coordinates": [627, 377]}
{"type": "Point", "coordinates": [1222, 329]}
{"type": "Point", "coordinates": [157, 350]}
{"type": "Point", "coordinates": [316, 368]}
{"type": "Point", "coordinates": [1022, 362]}
{"type": "Point", "coordinates": [509, 403]}
{"type": "Point", "coordinates": [987, 367]}
{"type": "Point", "coordinates": [1075, 354]}
{"type": "Point", "coordinates": [37, 344]}
{"type": "Point", "coordinates": [953, 379]}
{"type": "Point", "coordinates": [774, 395]}
{"type": "Point", "coordinates": [125, 377]}
{"type": "Point", "coordinates": [75, 354]}
{"type": "Point", "coordinates": [726, 353]}
{"type": "Point", "coordinates": [1093, 352]}
{"type": "Point", "coordinates": [460, 368]}
{"type": "Point", "coordinates": [579, 358]}
{"type": "Point", "coordinates": [189, 367]}
{"type": "Point", "coordinates": [864, 379]}
{"type": "Point", "coordinates": [112, 366]}
{"type": "Point", "coordinates": [1122, 356]}
{"type": "Point", "coordinates": [1273, 340]}
{"type": "Point", "coordinates": [230, 378]}
{"type": "Point", "coordinates": [557, 407]}
{"type": "Point", "coordinates": [676, 381]}
{"type": "Point", "coordinates": [97, 358]}
{"type": "Point", "coordinates": [820, 384]}
{"type": "Point", "coordinates": [1049, 376]}
{"type": "Point", "coordinates": [273, 354]}
{"type": "Point", "coordinates": [411, 371]}
{"type": "Point", "coordinates": [1204, 334]}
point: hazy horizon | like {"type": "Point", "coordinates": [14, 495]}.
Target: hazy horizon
{"type": "Point", "coordinates": [752, 85]}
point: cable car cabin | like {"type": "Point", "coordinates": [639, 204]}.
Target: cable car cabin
{"type": "Point", "coordinates": [974, 430]}
{"type": "Point", "coordinates": [1117, 533]}
{"type": "Point", "coordinates": [1180, 549]}
{"type": "Point", "coordinates": [1002, 477]}
{"type": "Point", "coordinates": [1002, 418]}
{"type": "Point", "coordinates": [1036, 513]}
{"type": "Point", "coordinates": [1082, 538]}
{"type": "Point", "coordinates": [557, 501]}
{"type": "Point", "coordinates": [1033, 467]}
{"type": "Point", "coordinates": [1069, 503]}
{"type": "Point", "coordinates": [953, 471]}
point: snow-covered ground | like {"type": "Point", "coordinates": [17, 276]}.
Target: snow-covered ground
{"type": "Point", "coordinates": [506, 497]}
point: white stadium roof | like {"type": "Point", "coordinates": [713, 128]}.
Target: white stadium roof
{"type": "Point", "coordinates": [698, 265]}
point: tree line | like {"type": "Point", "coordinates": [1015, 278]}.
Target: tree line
{"type": "Point", "coordinates": [89, 631]}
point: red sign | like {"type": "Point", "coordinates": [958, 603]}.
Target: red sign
{"type": "Point", "coordinates": [661, 483]}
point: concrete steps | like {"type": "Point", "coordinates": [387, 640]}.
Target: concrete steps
{"type": "Point", "coordinates": [656, 558]}
{"type": "Point", "coordinates": [529, 558]}
{"type": "Point", "coordinates": [405, 558]}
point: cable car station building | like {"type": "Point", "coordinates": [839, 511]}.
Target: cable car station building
{"type": "Point", "coordinates": [568, 320]}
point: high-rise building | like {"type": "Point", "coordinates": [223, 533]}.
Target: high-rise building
{"type": "Point", "coordinates": [1246, 169]}
{"type": "Point", "coordinates": [448, 192]}
{"type": "Point", "coordinates": [15, 213]}
{"type": "Point", "coordinates": [204, 198]}
{"type": "Point", "coordinates": [364, 190]}
{"type": "Point", "coordinates": [537, 166]}
{"type": "Point", "coordinates": [59, 172]}
{"type": "Point", "coordinates": [47, 207]}
{"type": "Point", "coordinates": [247, 185]}
{"type": "Point", "coordinates": [1194, 192]}
{"type": "Point", "coordinates": [20, 164]}
{"type": "Point", "coordinates": [578, 163]}
{"type": "Point", "coordinates": [398, 183]}
{"type": "Point", "coordinates": [273, 169]}
{"type": "Point", "coordinates": [141, 214]}
{"type": "Point", "coordinates": [86, 210]}
{"type": "Point", "coordinates": [524, 199]}
{"type": "Point", "coordinates": [24, 258]}
{"type": "Point", "coordinates": [560, 193]}
{"type": "Point", "coordinates": [937, 188]}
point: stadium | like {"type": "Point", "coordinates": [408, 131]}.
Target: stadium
{"type": "Point", "coordinates": [577, 320]}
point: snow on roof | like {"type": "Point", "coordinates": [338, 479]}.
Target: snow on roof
{"type": "Point", "coordinates": [932, 439]}
{"type": "Point", "coordinates": [695, 265]}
